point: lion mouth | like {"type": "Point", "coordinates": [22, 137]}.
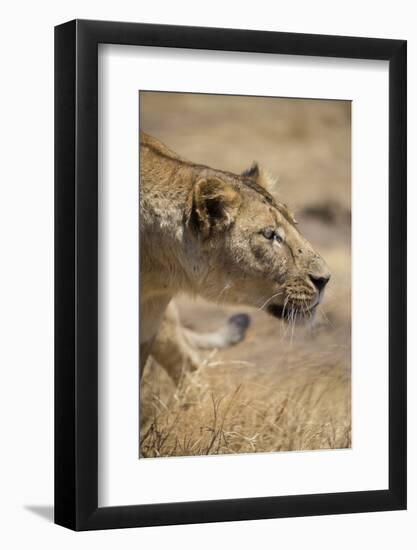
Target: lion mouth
{"type": "Point", "coordinates": [291, 314]}
{"type": "Point", "coordinates": [276, 311]}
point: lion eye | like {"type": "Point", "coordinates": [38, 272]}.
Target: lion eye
{"type": "Point", "coordinates": [268, 233]}
{"type": "Point", "coordinates": [272, 235]}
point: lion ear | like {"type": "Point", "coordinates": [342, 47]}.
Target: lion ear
{"type": "Point", "coordinates": [252, 172]}
{"type": "Point", "coordinates": [261, 176]}
{"type": "Point", "coordinates": [214, 206]}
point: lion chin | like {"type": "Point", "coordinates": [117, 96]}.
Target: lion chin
{"type": "Point", "coordinates": [290, 314]}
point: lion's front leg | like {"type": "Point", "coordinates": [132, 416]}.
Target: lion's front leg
{"type": "Point", "coordinates": [171, 349]}
{"type": "Point", "coordinates": [144, 353]}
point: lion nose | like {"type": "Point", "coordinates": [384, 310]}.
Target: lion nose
{"type": "Point", "coordinates": [320, 281]}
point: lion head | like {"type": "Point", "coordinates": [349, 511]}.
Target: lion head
{"type": "Point", "coordinates": [253, 251]}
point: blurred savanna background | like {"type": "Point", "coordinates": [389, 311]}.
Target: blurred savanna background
{"type": "Point", "coordinates": [280, 389]}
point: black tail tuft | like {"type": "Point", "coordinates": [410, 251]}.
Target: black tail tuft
{"type": "Point", "coordinates": [237, 326]}
{"type": "Point", "coordinates": [241, 320]}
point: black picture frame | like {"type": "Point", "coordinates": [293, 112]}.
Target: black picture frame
{"type": "Point", "coordinates": [76, 272]}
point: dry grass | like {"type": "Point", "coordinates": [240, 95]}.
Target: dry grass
{"type": "Point", "coordinates": [276, 391]}
{"type": "Point", "coordinates": [233, 407]}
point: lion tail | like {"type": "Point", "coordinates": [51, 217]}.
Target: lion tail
{"type": "Point", "coordinates": [231, 333]}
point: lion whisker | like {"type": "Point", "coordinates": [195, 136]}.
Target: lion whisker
{"type": "Point", "coordinates": [322, 312]}
{"type": "Point", "coordinates": [269, 299]}
{"type": "Point", "coordinates": [226, 287]}
{"type": "Point", "coordinates": [294, 312]}
{"type": "Point", "coordinates": [285, 305]}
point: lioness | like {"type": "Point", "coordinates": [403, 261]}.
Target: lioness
{"type": "Point", "coordinates": [218, 235]}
